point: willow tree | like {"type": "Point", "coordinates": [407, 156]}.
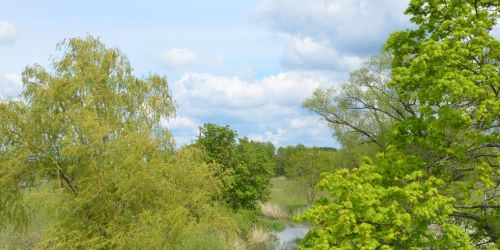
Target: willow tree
{"type": "Point", "coordinates": [435, 185]}
{"type": "Point", "coordinates": [363, 109]}
{"type": "Point", "coordinates": [90, 130]}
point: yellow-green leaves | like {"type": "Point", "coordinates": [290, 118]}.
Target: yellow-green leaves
{"type": "Point", "coordinates": [435, 186]}
{"type": "Point", "coordinates": [89, 130]}
{"type": "Point", "coordinates": [362, 211]}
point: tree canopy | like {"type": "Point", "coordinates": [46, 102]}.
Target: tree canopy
{"type": "Point", "coordinates": [435, 183]}
{"type": "Point", "coordinates": [90, 131]}
{"type": "Point", "coordinates": [243, 166]}
{"type": "Point", "coordinates": [418, 166]}
{"type": "Point", "coordinates": [363, 109]}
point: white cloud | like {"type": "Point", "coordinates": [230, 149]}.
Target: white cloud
{"type": "Point", "coordinates": [232, 92]}
{"type": "Point", "coordinates": [182, 140]}
{"type": "Point", "coordinates": [10, 85]}
{"type": "Point", "coordinates": [303, 122]}
{"type": "Point", "coordinates": [184, 128]}
{"type": "Point", "coordinates": [305, 129]}
{"type": "Point", "coordinates": [312, 125]}
{"type": "Point", "coordinates": [7, 32]}
{"type": "Point", "coordinates": [306, 53]}
{"type": "Point", "coordinates": [267, 109]}
{"type": "Point", "coordinates": [269, 136]}
{"type": "Point", "coordinates": [180, 59]}
{"type": "Point", "coordinates": [331, 34]}
{"type": "Point", "coordinates": [179, 122]}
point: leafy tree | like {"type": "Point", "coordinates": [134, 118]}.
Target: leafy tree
{"type": "Point", "coordinates": [450, 66]}
{"type": "Point", "coordinates": [363, 109]}
{"type": "Point", "coordinates": [254, 171]}
{"type": "Point", "coordinates": [283, 157]}
{"type": "Point", "coordinates": [381, 207]}
{"type": "Point", "coordinates": [306, 167]}
{"type": "Point", "coordinates": [244, 167]}
{"type": "Point", "coordinates": [90, 131]}
{"type": "Point", "coordinates": [435, 185]}
{"type": "Point", "coordinates": [219, 142]}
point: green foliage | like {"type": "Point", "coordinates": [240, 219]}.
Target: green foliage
{"type": "Point", "coordinates": [373, 207]}
{"type": "Point", "coordinates": [435, 184]}
{"type": "Point", "coordinates": [363, 109]}
{"type": "Point", "coordinates": [253, 173]}
{"type": "Point", "coordinates": [286, 193]}
{"type": "Point", "coordinates": [272, 225]}
{"type": "Point", "coordinates": [306, 167]}
{"type": "Point", "coordinates": [40, 203]}
{"type": "Point", "coordinates": [90, 131]}
{"type": "Point", "coordinates": [283, 158]}
{"type": "Point", "coordinates": [219, 143]}
{"type": "Point", "coordinates": [244, 167]}
{"type": "Point", "coordinates": [450, 66]}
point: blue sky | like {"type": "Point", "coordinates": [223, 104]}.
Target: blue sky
{"type": "Point", "coordinates": [245, 63]}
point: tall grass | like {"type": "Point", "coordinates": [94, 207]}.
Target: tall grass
{"type": "Point", "coordinates": [285, 192]}
{"type": "Point", "coordinates": [273, 211]}
{"type": "Point", "coordinates": [258, 238]}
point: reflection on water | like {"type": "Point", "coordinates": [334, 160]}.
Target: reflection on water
{"type": "Point", "coordinates": [288, 238]}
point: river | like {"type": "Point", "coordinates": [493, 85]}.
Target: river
{"type": "Point", "coordinates": [288, 238]}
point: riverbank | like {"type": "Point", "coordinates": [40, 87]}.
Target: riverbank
{"type": "Point", "coordinates": [285, 203]}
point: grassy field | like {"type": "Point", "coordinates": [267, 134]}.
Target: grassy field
{"type": "Point", "coordinates": [284, 203]}
{"type": "Point", "coordinates": [285, 200]}
{"type": "Point", "coordinates": [285, 193]}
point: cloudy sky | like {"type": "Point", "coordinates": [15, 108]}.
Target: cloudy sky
{"type": "Point", "coordinates": [245, 63]}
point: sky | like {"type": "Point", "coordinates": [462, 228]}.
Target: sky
{"type": "Point", "coordinates": [247, 64]}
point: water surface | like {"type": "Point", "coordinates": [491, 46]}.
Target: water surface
{"type": "Point", "coordinates": [288, 238]}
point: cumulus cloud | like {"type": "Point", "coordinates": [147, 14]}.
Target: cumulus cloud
{"type": "Point", "coordinates": [180, 59]}
{"type": "Point", "coordinates": [304, 122]}
{"type": "Point", "coordinates": [179, 122]}
{"type": "Point", "coordinates": [270, 136]}
{"type": "Point", "coordinates": [183, 127]}
{"type": "Point", "coordinates": [331, 33]}
{"type": "Point", "coordinates": [233, 92]}
{"type": "Point", "coordinates": [267, 109]}
{"type": "Point", "coordinates": [303, 128]}
{"type": "Point", "coordinates": [10, 85]}
{"type": "Point", "coordinates": [7, 32]}
{"type": "Point", "coordinates": [306, 53]}
{"type": "Point", "coordinates": [311, 126]}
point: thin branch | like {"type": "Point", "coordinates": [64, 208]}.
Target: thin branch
{"type": "Point", "coordinates": [478, 206]}
{"type": "Point", "coordinates": [341, 122]}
